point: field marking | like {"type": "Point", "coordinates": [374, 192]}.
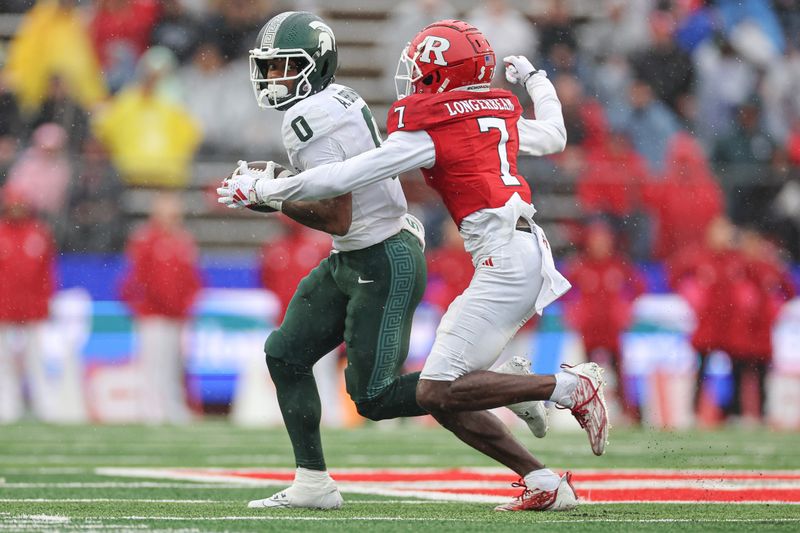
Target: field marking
{"type": "Point", "coordinates": [566, 520]}
{"type": "Point", "coordinates": [409, 501]}
{"type": "Point", "coordinates": [480, 485]}
{"type": "Point", "coordinates": [493, 485]}
{"type": "Point", "coordinates": [124, 485]}
{"type": "Point", "coordinates": [48, 470]}
{"type": "Point", "coordinates": [487, 470]}
{"type": "Point", "coordinates": [105, 500]}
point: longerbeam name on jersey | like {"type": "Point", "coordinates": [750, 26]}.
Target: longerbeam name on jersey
{"type": "Point", "coordinates": [346, 96]}
{"type": "Point", "coordinates": [462, 107]}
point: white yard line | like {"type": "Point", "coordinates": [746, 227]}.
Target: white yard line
{"type": "Point", "coordinates": [104, 500]}
{"type": "Point", "coordinates": [568, 520]}
{"type": "Point", "coordinates": [47, 470]}
{"type": "Point", "coordinates": [368, 502]}
{"type": "Point", "coordinates": [125, 485]}
{"type": "Point", "coordinates": [709, 473]}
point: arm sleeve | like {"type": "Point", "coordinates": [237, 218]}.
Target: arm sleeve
{"type": "Point", "coordinates": [402, 151]}
{"type": "Point", "coordinates": [546, 134]}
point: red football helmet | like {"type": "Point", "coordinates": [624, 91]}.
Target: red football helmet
{"type": "Point", "coordinates": [445, 55]}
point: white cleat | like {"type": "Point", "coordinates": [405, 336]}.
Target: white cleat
{"type": "Point", "coordinates": [589, 405]}
{"type": "Point", "coordinates": [534, 413]}
{"type": "Point", "coordinates": [561, 499]}
{"type": "Point", "coordinates": [296, 497]}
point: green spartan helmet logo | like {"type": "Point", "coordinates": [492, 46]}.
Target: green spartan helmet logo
{"type": "Point", "coordinates": [301, 37]}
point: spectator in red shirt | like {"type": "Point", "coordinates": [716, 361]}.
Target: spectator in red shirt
{"type": "Point", "coordinates": [599, 305]}
{"type": "Point", "coordinates": [120, 31]}
{"type": "Point", "coordinates": [759, 299]}
{"type": "Point", "coordinates": [27, 281]}
{"type": "Point", "coordinates": [611, 188]}
{"type": "Point", "coordinates": [686, 198]}
{"type": "Point", "coordinates": [707, 275]}
{"type": "Point", "coordinates": [287, 260]}
{"type": "Point", "coordinates": [160, 288]}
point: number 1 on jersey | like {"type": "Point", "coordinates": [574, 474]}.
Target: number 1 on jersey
{"type": "Point", "coordinates": [488, 123]}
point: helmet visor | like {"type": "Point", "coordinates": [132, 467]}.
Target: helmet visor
{"type": "Point", "coordinates": [273, 91]}
{"type": "Point", "coordinates": [407, 73]}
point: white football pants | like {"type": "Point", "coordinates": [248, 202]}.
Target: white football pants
{"type": "Point", "coordinates": [479, 323]}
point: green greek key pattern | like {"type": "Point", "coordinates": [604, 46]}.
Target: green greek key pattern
{"type": "Point", "coordinates": [390, 339]}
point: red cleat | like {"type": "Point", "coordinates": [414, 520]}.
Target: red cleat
{"type": "Point", "coordinates": [563, 498]}
{"type": "Point", "coordinates": [589, 404]}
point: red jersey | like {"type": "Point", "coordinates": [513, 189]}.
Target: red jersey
{"type": "Point", "coordinates": [476, 140]}
{"type": "Point", "coordinates": [163, 279]}
{"type": "Point", "coordinates": [27, 265]}
{"type": "Point", "coordinates": [600, 307]}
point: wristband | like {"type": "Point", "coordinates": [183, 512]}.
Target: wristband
{"type": "Point", "coordinates": [528, 76]}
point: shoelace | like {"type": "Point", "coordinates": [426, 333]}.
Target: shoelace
{"type": "Point", "coordinates": [521, 484]}
{"type": "Point", "coordinates": [580, 411]}
{"type": "Point", "coordinates": [540, 499]}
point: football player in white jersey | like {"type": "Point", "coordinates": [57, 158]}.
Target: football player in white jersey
{"type": "Point", "coordinates": [465, 136]}
{"type": "Point", "coordinates": [365, 293]}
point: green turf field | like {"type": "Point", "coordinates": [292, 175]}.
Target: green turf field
{"type": "Point", "coordinates": [49, 480]}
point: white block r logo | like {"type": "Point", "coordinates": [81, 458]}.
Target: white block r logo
{"type": "Point", "coordinates": [435, 45]}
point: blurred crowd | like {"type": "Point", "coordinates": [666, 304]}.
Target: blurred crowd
{"type": "Point", "coordinates": [100, 96]}
{"type": "Point", "coordinates": [683, 120]}
{"type": "Point", "coordinates": [677, 111]}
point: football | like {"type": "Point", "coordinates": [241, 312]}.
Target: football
{"type": "Point", "coordinates": [279, 172]}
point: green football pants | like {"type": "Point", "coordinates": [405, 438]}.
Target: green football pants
{"type": "Point", "coordinates": [366, 299]}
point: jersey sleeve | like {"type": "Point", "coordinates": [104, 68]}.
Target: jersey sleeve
{"type": "Point", "coordinates": [412, 113]}
{"type": "Point", "coordinates": [547, 134]}
{"type": "Point", "coordinates": [402, 151]}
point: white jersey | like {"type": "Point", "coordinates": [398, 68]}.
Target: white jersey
{"type": "Point", "coordinates": [334, 125]}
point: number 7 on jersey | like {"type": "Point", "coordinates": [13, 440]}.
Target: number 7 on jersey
{"type": "Point", "coordinates": [489, 123]}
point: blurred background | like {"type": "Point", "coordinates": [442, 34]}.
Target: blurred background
{"type": "Point", "coordinates": [674, 210]}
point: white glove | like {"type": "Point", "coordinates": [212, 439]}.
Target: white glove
{"type": "Point", "coordinates": [239, 190]}
{"type": "Point", "coordinates": [519, 69]}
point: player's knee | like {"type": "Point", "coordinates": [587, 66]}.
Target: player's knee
{"type": "Point", "coordinates": [285, 373]}
{"type": "Point", "coordinates": [371, 409]}
{"type": "Point", "coordinates": [275, 346]}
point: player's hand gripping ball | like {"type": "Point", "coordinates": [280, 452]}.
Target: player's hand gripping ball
{"type": "Point", "coordinates": [239, 189]}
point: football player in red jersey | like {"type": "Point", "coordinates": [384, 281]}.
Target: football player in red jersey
{"type": "Point", "coordinates": [465, 136]}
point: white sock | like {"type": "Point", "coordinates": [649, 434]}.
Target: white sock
{"type": "Point", "coordinates": [305, 476]}
{"type": "Point", "coordinates": [565, 386]}
{"type": "Point", "coordinates": [542, 479]}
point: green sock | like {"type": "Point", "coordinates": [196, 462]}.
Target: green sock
{"type": "Point", "coordinates": [301, 409]}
